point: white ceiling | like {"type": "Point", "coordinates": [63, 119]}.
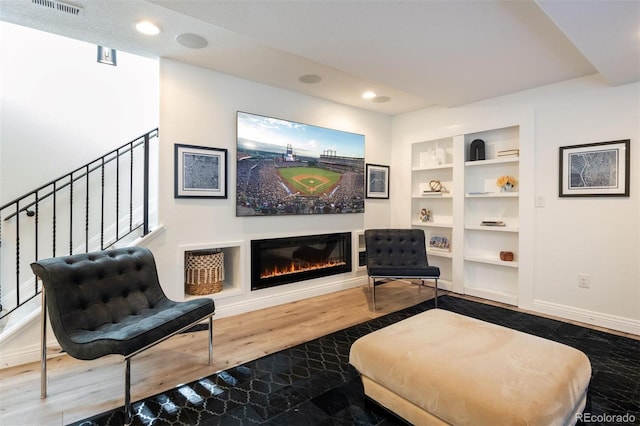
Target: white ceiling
{"type": "Point", "coordinates": [418, 53]}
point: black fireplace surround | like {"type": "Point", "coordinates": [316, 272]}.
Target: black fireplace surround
{"type": "Point", "coordinates": [277, 261]}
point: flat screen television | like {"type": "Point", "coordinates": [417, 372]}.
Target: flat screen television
{"type": "Point", "coordinates": [290, 168]}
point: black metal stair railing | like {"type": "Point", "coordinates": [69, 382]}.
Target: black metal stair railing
{"type": "Point", "coordinates": [91, 208]}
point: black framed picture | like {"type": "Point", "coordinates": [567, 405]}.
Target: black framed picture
{"type": "Point", "coordinates": [200, 172]}
{"type": "Point", "coordinates": [595, 170]}
{"type": "Point", "coordinates": [377, 181]}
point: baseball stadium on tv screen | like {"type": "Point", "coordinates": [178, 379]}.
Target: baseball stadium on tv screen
{"type": "Point", "coordinates": [290, 168]}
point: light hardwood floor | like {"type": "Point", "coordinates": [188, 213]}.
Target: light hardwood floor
{"type": "Point", "coordinates": [79, 389]}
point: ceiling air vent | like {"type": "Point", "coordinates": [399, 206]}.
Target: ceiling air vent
{"type": "Point", "coordinates": [67, 8]}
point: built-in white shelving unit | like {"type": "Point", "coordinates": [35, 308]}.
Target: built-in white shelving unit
{"type": "Point", "coordinates": [485, 275]}
{"type": "Point", "coordinates": [472, 263]}
{"type": "Point", "coordinates": [434, 161]}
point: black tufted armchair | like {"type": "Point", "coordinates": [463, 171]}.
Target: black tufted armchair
{"type": "Point", "coordinates": [398, 254]}
{"type": "Point", "coordinates": [111, 302]}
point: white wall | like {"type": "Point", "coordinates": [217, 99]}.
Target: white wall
{"type": "Point", "coordinates": [198, 107]}
{"type": "Point", "coordinates": [60, 108]}
{"type": "Point", "coordinates": [598, 236]}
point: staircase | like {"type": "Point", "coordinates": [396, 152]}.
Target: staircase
{"type": "Point", "coordinates": [102, 204]}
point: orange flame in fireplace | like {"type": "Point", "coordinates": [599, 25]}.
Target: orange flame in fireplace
{"type": "Point", "coordinates": [296, 267]}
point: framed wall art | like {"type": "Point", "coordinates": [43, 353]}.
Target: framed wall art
{"type": "Point", "coordinates": [377, 180]}
{"type": "Point", "coordinates": [200, 172]}
{"type": "Point", "coordinates": [595, 170]}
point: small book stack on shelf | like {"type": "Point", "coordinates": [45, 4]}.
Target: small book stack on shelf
{"type": "Point", "coordinates": [508, 153]}
{"type": "Point", "coordinates": [492, 223]}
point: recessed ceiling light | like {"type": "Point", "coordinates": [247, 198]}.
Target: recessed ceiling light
{"type": "Point", "coordinates": [310, 79]}
{"type": "Point", "coordinates": [369, 95]}
{"type": "Point", "coordinates": [147, 27]}
{"type": "Point", "coordinates": [192, 41]}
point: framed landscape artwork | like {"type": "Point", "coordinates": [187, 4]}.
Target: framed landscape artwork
{"type": "Point", "coordinates": [595, 170]}
{"type": "Point", "coordinates": [290, 168]}
{"type": "Point", "coordinates": [200, 172]}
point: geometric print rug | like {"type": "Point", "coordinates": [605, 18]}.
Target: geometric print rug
{"type": "Point", "coordinates": [314, 384]}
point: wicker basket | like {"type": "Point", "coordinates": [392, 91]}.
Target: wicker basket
{"type": "Point", "coordinates": [204, 271]}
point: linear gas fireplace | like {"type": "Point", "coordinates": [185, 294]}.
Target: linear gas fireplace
{"type": "Point", "coordinates": [279, 261]}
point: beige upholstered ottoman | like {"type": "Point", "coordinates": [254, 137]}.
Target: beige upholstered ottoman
{"type": "Point", "coordinates": [439, 367]}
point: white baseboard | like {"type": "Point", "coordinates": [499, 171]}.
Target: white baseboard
{"type": "Point", "coordinates": [255, 303]}
{"type": "Point", "coordinates": [29, 354]}
{"type": "Point", "coordinates": [25, 347]}
{"type": "Point", "coordinates": [614, 322]}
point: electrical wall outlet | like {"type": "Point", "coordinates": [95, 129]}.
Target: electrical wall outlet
{"type": "Point", "coordinates": [584, 280]}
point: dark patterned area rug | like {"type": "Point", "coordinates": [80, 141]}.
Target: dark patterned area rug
{"type": "Point", "coordinates": [313, 383]}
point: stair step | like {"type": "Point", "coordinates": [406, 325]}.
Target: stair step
{"type": "Point", "coordinates": [14, 322]}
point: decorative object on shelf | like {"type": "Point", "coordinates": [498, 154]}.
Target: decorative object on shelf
{"type": "Point", "coordinates": [506, 183]}
{"type": "Point", "coordinates": [435, 185]}
{"type": "Point", "coordinates": [476, 150]}
{"type": "Point", "coordinates": [377, 180]}
{"type": "Point", "coordinates": [506, 256]}
{"type": "Point", "coordinates": [200, 172]}
{"type": "Point", "coordinates": [362, 258]}
{"type": "Point", "coordinates": [440, 242]}
{"type": "Point", "coordinates": [204, 271]}
{"type": "Point", "coordinates": [425, 215]}
{"type": "Point", "coordinates": [435, 188]}
{"type": "Point", "coordinates": [433, 157]}
{"type": "Point", "coordinates": [508, 153]}
{"type": "Point", "coordinates": [595, 169]}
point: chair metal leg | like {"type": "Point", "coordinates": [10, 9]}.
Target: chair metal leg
{"type": "Point", "coordinates": [210, 340]}
{"type": "Point", "coordinates": [436, 292]}
{"type": "Point", "coordinates": [374, 294]}
{"type": "Point", "coordinates": [127, 392]}
{"type": "Point", "coordinates": [43, 343]}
